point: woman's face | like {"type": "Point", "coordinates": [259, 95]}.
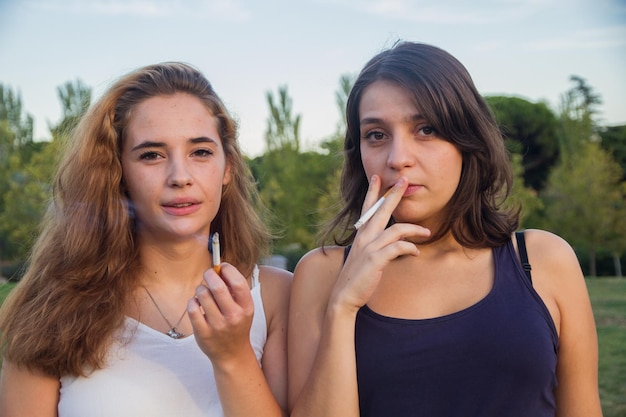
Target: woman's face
{"type": "Point", "coordinates": [397, 141]}
{"type": "Point", "coordinates": [174, 167]}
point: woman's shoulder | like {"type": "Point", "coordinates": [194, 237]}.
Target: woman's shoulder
{"type": "Point", "coordinates": [317, 271]}
{"type": "Point", "coordinates": [322, 258]}
{"type": "Point", "coordinates": [556, 272]}
{"type": "Point", "coordinates": [551, 257]}
{"type": "Point", "coordinates": [547, 247]}
{"type": "Point", "coordinates": [274, 276]}
{"type": "Point", "coordinates": [322, 261]}
{"type": "Point", "coordinates": [276, 281]}
{"type": "Point", "coordinates": [275, 290]}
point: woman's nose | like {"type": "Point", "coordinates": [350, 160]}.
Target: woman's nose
{"type": "Point", "coordinates": [401, 153]}
{"type": "Point", "coordinates": [179, 175]}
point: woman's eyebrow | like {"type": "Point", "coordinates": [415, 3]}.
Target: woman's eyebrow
{"type": "Point", "coordinates": [376, 120]}
{"type": "Point", "coordinates": [148, 144]}
{"type": "Point", "coordinates": [153, 144]}
{"type": "Point", "coordinates": [370, 120]}
{"type": "Point", "coordinates": [202, 139]}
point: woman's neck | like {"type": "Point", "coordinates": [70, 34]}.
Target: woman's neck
{"type": "Point", "coordinates": [180, 263]}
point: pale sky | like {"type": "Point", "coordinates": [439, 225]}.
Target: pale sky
{"type": "Point", "coordinates": [524, 48]}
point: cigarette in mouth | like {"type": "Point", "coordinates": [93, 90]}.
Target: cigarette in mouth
{"type": "Point", "coordinates": [372, 210]}
{"type": "Point", "coordinates": [215, 249]}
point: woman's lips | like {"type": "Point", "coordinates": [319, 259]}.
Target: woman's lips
{"type": "Point", "coordinates": [181, 208]}
{"type": "Point", "coordinates": [411, 189]}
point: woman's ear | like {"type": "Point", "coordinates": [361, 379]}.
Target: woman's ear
{"type": "Point", "coordinates": [227, 175]}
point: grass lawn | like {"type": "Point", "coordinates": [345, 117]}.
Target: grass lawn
{"type": "Point", "coordinates": [608, 297]}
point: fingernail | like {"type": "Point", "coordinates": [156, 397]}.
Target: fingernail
{"type": "Point", "coordinates": [401, 182]}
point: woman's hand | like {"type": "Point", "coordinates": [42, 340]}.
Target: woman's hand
{"type": "Point", "coordinates": [374, 247]}
{"type": "Point", "coordinates": [221, 314]}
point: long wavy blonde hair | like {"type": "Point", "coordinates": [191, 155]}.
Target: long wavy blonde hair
{"type": "Point", "coordinates": [83, 268]}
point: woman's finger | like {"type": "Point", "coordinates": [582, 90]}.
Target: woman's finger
{"type": "Point", "coordinates": [373, 193]}
{"type": "Point", "coordinates": [378, 214]}
{"type": "Point", "coordinates": [212, 314]}
{"type": "Point", "coordinates": [239, 289]}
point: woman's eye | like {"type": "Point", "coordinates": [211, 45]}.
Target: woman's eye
{"type": "Point", "coordinates": [149, 156]}
{"type": "Point", "coordinates": [375, 135]}
{"type": "Point", "coordinates": [427, 130]}
{"type": "Point", "coordinates": [203, 152]}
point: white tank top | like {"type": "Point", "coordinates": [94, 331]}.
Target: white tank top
{"type": "Point", "coordinates": [150, 374]}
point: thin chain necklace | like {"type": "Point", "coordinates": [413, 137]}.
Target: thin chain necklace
{"type": "Point", "coordinates": [172, 332]}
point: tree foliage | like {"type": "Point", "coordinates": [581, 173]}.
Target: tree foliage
{"type": "Point", "coordinates": [283, 128]}
{"type": "Point", "coordinates": [281, 180]}
{"type": "Point", "coordinates": [75, 98]}
{"type": "Point", "coordinates": [531, 131]}
{"type": "Point", "coordinates": [295, 184]}
{"type": "Point", "coordinates": [18, 125]}
{"type": "Point", "coordinates": [613, 139]}
{"type": "Point", "coordinates": [521, 195]}
{"type": "Point", "coordinates": [569, 171]}
{"type": "Point", "coordinates": [583, 198]}
{"type": "Point", "coordinates": [16, 148]}
{"type": "Point", "coordinates": [578, 110]}
{"type": "Point", "coordinates": [616, 240]}
{"type": "Point", "coordinates": [29, 190]}
{"type": "Point", "coordinates": [30, 166]}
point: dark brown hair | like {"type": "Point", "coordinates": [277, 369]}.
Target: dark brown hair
{"type": "Point", "coordinates": [446, 97]}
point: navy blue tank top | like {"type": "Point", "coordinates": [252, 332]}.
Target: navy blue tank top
{"type": "Point", "coordinates": [496, 358]}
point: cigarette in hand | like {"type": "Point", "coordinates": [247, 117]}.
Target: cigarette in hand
{"type": "Point", "coordinates": [372, 210]}
{"type": "Point", "coordinates": [215, 249]}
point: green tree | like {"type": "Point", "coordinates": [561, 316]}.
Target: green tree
{"type": "Point", "coordinates": [16, 133]}
{"type": "Point", "coordinates": [18, 125]}
{"type": "Point", "coordinates": [584, 200]}
{"type": "Point", "coordinates": [283, 128]}
{"type": "Point", "coordinates": [75, 98]}
{"type": "Point", "coordinates": [328, 204]}
{"type": "Point", "coordinates": [531, 131]}
{"type": "Point", "coordinates": [279, 169]}
{"type": "Point", "coordinates": [292, 182]}
{"type": "Point", "coordinates": [27, 190]}
{"type": "Point", "coordinates": [523, 196]}
{"type": "Point", "coordinates": [16, 148]}
{"type": "Point", "coordinates": [346, 81]}
{"type": "Point", "coordinates": [613, 139]}
{"type": "Point", "coordinates": [616, 242]}
{"type": "Point", "coordinates": [577, 117]}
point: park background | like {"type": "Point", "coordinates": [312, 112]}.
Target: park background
{"type": "Point", "coordinates": [553, 71]}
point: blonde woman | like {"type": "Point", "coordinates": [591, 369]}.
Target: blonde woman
{"type": "Point", "coordinates": [121, 312]}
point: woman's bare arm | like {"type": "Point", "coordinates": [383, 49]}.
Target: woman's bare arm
{"type": "Point", "coordinates": [558, 279]}
{"type": "Point", "coordinates": [322, 364]}
{"type": "Point", "coordinates": [221, 315]}
{"type": "Point", "coordinates": [27, 393]}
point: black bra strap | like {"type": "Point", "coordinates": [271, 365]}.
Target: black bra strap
{"type": "Point", "coordinates": [346, 252]}
{"type": "Point", "coordinates": [521, 248]}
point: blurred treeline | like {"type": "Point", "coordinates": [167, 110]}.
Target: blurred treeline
{"type": "Point", "coordinates": [570, 172]}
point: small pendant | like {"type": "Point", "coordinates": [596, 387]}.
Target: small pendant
{"type": "Point", "coordinates": [174, 334]}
